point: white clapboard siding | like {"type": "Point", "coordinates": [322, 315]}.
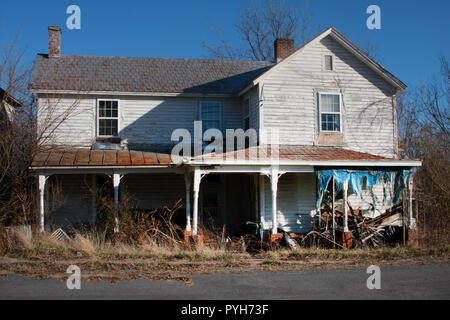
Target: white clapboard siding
{"type": "Point", "coordinates": [253, 96]}
{"type": "Point", "coordinates": [296, 201]}
{"type": "Point", "coordinates": [67, 120]}
{"type": "Point", "coordinates": [289, 99]}
{"type": "Point", "coordinates": [152, 191]}
{"type": "Point", "coordinates": [142, 120]}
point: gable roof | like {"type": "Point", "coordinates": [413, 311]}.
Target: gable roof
{"type": "Point", "coordinates": [346, 43]}
{"type": "Point", "coordinates": [168, 76]}
{"type": "Point", "coordinates": [142, 75]}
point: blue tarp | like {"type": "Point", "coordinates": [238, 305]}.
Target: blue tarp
{"type": "Point", "coordinates": [356, 180]}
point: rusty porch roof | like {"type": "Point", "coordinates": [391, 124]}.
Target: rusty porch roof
{"type": "Point", "coordinates": [100, 158]}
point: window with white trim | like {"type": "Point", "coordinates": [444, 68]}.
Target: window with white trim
{"type": "Point", "coordinates": [246, 114]}
{"type": "Point", "coordinates": [330, 112]}
{"type": "Point", "coordinates": [211, 115]}
{"type": "Point", "coordinates": [108, 118]}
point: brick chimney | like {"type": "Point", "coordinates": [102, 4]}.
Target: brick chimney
{"type": "Point", "coordinates": [283, 48]}
{"type": "Point", "coordinates": [54, 41]}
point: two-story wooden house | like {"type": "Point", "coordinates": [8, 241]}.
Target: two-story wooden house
{"type": "Point", "coordinates": [324, 106]}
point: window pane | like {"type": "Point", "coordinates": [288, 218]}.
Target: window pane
{"type": "Point", "coordinates": [101, 108]}
{"type": "Point", "coordinates": [210, 115]}
{"type": "Point", "coordinates": [107, 108]}
{"type": "Point", "coordinates": [210, 124]}
{"type": "Point", "coordinates": [330, 122]}
{"type": "Point", "coordinates": [107, 127]}
{"type": "Point", "coordinates": [114, 108]}
{"type": "Point", "coordinates": [329, 103]}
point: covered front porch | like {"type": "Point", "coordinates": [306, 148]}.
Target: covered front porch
{"type": "Point", "coordinates": [280, 195]}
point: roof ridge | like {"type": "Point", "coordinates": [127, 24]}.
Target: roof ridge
{"type": "Point", "coordinates": [44, 55]}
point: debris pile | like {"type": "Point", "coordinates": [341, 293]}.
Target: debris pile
{"type": "Point", "coordinates": [385, 229]}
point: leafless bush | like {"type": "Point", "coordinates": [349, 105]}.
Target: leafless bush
{"type": "Point", "coordinates": [22, 137]}
{"type": "Point", "coordinates": [425, 134]}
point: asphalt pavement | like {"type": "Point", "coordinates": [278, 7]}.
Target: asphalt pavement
{"type": "Point", "coordinates": [399, 282]}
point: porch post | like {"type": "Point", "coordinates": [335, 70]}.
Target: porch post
{"type": "Point", "coordinates": [345, 188]}
{"type": "Point", "coordinates": [411, 224]}
{"type": "Point", "coordinates": [262, 209]}
{"type": "Point", "coordinates": [196, 188]}
{"type": "Point", "coordinates": [42, 181]}
{"type": "Point", "coordinates": [274, 183]}
{"type": "Point", "coordinates": [116, 182]}
{"type": "Point", "coordinates": [187, 181]}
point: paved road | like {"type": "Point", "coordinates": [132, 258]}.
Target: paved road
{"type": "Point", "coordinates": [408, 282]}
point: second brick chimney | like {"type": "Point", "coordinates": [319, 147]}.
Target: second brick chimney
{"type": "Point", "coordinates": [54, 41]}
{"type": "Point", "coordinates": [283, 48]}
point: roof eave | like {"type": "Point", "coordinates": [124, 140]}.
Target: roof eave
{"type": "Point", "coordinates": [313, 163]}
{"type": "Point", "coordinates": [124, 93]}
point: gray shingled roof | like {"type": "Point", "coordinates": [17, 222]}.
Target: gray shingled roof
{"type": "Point", "coordinates": [88, 73]}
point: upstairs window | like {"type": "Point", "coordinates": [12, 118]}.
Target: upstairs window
{"type": "Point", "coordinates": [328, 63]}
{"type": "Point", "coordinates": [211, 115]}
{"type": "Point", "coordinates": [108, 118]}
{"type": "Point", "coordinates": [246, 114]}
{"type": "Point", "coordinates": [330, 112]}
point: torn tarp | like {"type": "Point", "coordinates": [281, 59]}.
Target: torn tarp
{"type": "Point", "coordinates": [356, 179]}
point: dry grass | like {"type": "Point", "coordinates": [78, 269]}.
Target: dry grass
{"type": "Point", "coordinates": [94, 246]}
{"type": "Point", "coordinates": [115, 261]}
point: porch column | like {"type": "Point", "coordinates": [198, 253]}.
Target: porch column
{"type": "Point", "coordinates": [411, 224]}
{"type": "Point", "coordinates": [262, 209]}
{"type": "Point", "coordinates": [274, 175]}
{"type": "Point", "coordinates": [42, 181]}
{"type": "Point", "coordinates": [345, 188]}
{"type": "Point", "coordinates": [116, 183]}
{"type": "Point", "coordinates": [196, 188]}
{"type": "Point", "coordinates": [187, 181]}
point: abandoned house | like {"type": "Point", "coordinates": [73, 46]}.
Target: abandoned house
{"type": "Point", "coordinates": [324, 114]}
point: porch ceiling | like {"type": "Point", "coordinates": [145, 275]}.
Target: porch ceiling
{"type": "Point", "coordinates": [100, 158]}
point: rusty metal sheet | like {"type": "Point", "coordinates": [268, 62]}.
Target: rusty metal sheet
{"type": "Point", "coordinates": [83, 157]}
{"type": "Point", "coordinates": [54, 158]}
{"type": "Point", "coordinates": [96, 158]}
{"type": "Point", "coordinates": [137, 158]}
{"type": "Point", "coordinates": [68, 158]}
{"type": "Point", "coordinates": [123, 158]}
{"type": "Point", "coordinates": [163, 158]}
{"type": "Point", "coordinates": [150, 158]}
{"type": "Point", "coordinates": [40, 159]}
{"type": "Point", "coordinates": [109, 157]}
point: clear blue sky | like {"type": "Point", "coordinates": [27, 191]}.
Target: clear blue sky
{"type": "Point", "coordinates": [413, 33]}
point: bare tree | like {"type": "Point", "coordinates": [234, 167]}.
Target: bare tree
{"type": "Point", "coordinates": [259, 24]}
{"type": "Point", "coordinates": [424, 132]}
{"type": "Point", "coordinates": [22, 137]}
